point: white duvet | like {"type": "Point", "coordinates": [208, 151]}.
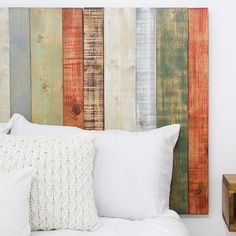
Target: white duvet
{"type": "Point", "coordinates": [160, 226]}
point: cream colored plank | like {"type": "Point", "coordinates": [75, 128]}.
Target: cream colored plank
{"type": "Point", "coordinates": [119, 60]}
{"type": "Point", "coordinates": [4, 66]}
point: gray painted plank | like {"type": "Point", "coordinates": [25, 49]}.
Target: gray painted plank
{"type": "Point", "coordinates": [4, 66]}
{"type": "Point", "coordinates": [20, 88]}
{"type": "Point", "coordinates": [146, 68]}
{"type": "Point", "coordinates": [119, 61]}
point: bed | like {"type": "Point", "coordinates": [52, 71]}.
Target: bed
{"type": "Point", "coordinates": [161, 226]}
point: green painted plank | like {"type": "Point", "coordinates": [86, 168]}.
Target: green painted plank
{"type": "Point", "coordinates": [46, 65]}
{"type": "Point", "coordinates": [20, 62]}
{"type": "Point", "coordinates": [172, 93]}
{"type": "Point", "coordinates": [4, 66]}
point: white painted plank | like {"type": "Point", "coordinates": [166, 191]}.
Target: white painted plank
{"type": "Point", "coordinates": [4, 66]}
{"type": "Point", "coordinates": [146, 68]}
{"type": "Point", "coordinates": [119, 60]}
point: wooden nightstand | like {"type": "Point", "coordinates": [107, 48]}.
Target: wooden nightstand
{"type": "Point", "coordinates": [229, 201]}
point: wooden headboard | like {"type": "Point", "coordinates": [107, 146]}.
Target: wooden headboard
{"type": "Point", "coordinates": [119, 68]}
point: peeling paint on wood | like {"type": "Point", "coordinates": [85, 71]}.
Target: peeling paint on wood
{"type": "Point", "coordinates": [172, 93]}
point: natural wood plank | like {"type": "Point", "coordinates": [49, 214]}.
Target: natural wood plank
{"type": "Point", "coordinates": [172, 93]}
{"type": "Point", "coordinates": [146, 68]}
{"type": "Point", "coordinates": [120, 82]}
{"type": "Point", "coordinates": [20, 62]}
{"type": "Point", "coordinates": [4, 66]}
{"type": "Point", "coordinates": [198, 111]}
{"type": "Point", "coordinates": [73, 67]}
{"type": "Point", "coordinates": [93, 68]}
{"type": "Point", "coordinates": [46, 65]}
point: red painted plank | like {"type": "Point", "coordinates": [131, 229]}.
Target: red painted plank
{"type": "Point", "coordinates": [73, 67]}
{"type": "Point", "coordinates": [198, 111]}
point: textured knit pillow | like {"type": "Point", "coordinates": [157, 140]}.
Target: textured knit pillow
{"type": "Point", "coordinates": [61, 195]}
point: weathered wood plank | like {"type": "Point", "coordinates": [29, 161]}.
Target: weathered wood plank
{"type": "Point", "coordinates": [46, 65]}
{"type": "Point", "coordinates": [93, 68]}
{"type": "Point", "coordinates": [172, 93]}
{"type": "Point", "coordinates": [73, 62]}
{"type": "Point", "coordinates": [146, 68]}
{"type": "Point", "coordinates": [198, 111]}
{"type": "Point", "coordinates": [20, 62]}
{"type": "Point", "coordinates": [119, 59]}
{"type": "Point", "coordinates": [4, 66]}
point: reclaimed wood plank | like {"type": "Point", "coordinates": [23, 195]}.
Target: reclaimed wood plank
{"type": "Point", "coordinates": [73, 61]}
{"type": "Point", "coordinates": [119, 60]}
{"type": "Point", "coordinates": [198, 111]}
{"type": "Point", "coordinates": [20, 82]}
{"type": "Point", "coordinates": [46, 65]}
{"type": "Point", "coordinates": [4, 66]}
{"type": "Point", "coordinates": [172, 93]}
{"type": "Point", "coordinates": [93, 68]}
{"type": "Point", "coordinates": [146, 68]}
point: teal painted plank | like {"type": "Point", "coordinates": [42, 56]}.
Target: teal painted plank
{"type": "Point", "coordinates": [20, 85]}
{"type": "Point", "coordinates": [172, 93]}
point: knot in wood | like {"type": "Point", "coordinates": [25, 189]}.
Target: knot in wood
{"type": "Point", "coordinates": [76, 109]}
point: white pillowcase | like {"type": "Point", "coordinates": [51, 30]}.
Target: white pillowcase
{"type": "Point", "coordinates": [14, 202]}
{"type": "Point", "coordinates": [4, 128]}
{"type": "Point", "coordinates": [132, 171]}
{"type": "Point", "coordinates": [61, 195]}
{"type": "Point", "coordinates": [20, 126]}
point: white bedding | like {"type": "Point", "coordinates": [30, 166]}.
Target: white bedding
{"type": "Point", "coordinates": [161, 226]}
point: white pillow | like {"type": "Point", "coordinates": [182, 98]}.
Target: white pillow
{"type": "Point", "coordinates": [62, 194]}
{"type": "Point", "coordinates": [20, 126]}
{"type": "Point", "coordinates": [132, 171]}
{"type": "Point", "coordinates": [4, 129]}
{"type": "Point", "coordinates": [14, 202]}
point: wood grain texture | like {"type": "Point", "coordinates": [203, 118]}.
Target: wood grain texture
{"type": "Point", "coordinates": [46, 65]}
{"type": "Point", "coordinates": [120, 56]}
{"type": "Point", "coordinates": [172, 93]}
{"type": "Point", "coordinates": [198, 111]}
{"type": "Point", "coordinates": [4, 66]}
{"type": "Point", "coordinates": [94, 68]}
{"type": "Point", "coordinates": [73, 62]}
{"type": "Point", "coordinates": [20, 62]}
{"type": "Point", "coordinates": [146, 68]}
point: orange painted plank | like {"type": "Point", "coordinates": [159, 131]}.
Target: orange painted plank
{"type": "Point", "coordinates": [73, 67]}
{"type": "Point", "coordinates": [93, 68]}
{"type": "Point", "coordinates": [198, 111]}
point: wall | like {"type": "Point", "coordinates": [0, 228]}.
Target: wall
{"type": "Point", "coordinates": [222, 91]}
